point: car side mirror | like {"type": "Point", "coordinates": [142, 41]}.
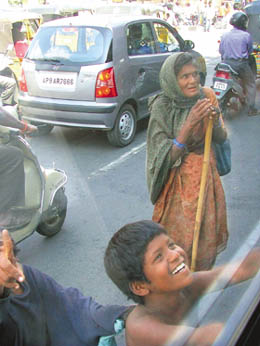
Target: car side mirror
{"type": "Point", "coordinates": [188, 45]}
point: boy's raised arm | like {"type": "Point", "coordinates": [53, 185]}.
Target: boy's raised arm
{"type": "Point", "coordinates": [248, 268]}
{"type": "Point", "coordinates": [228, 274]}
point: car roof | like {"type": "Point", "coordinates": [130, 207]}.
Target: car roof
{"type": "Point", "coordinates": [98, 20]}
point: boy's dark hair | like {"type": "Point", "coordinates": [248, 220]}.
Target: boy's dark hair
{"type": "Point", "coordinates": [182, 60]}
{"type": "Point", "coordinates": [124, 256]}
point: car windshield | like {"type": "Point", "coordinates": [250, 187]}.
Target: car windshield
{"type": "Point", "coordinates": [89, 87]}
{"type": "Point", "coordinates": [82, 45]}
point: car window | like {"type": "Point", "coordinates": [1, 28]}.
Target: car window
{"type": "Point", "coordinates": [165, 40]}
{"type": "Point", "coordinates": [107, 186]}
{"type": "Point", "coordinates": [76, 44]}
{"type": "Point", "coordinates": [140, 39]}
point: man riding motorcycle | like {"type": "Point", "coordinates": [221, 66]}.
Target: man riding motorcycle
{"type": "Point", "coordinates": [13, 214]}
{"type": "Point", "coordinates": [235, 48]}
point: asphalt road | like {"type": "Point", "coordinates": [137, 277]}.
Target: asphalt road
{"type": "Point", "coordinates": [106, 188]}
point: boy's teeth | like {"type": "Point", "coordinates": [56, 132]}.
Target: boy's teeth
{"type": "Point", "coordinates": [179, 268]}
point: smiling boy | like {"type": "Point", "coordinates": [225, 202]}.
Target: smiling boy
{"type": "Point", "coordinates": [150, 269]}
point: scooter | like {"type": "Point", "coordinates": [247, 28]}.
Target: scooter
{"type": "Point", "coordinates": [229, 90]}
{"type": "Point", "coordinates": [44, 189]}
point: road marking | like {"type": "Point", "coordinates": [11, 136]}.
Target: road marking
{"type": "Point", "coordinates": [118, 161]}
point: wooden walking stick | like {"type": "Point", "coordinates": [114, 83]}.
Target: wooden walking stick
{"type": "Point", "coordinates": [204, 176]}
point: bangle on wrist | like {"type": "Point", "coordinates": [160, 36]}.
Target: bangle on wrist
{"type": "Point", "coordinates": [178, 144]}
{"type": "Point", "coordinates": [25, 127]}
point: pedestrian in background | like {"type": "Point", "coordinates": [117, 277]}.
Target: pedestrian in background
{"type": "Point", "coordinates": [170, 18]}
{"type": "Point", "coordinates": [209, 16]}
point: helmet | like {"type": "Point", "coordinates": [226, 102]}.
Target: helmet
{"type": "Point", "coordinates": [239, 20]}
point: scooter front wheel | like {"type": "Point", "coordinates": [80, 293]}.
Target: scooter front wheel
{"type": "Point", "coordinates": [55, 217]}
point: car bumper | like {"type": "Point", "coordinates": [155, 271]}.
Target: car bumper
{"type": "Point", "coordinates": [70, 113]}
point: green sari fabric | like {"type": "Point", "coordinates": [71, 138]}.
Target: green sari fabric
{"type": "Point", "coordinates": [169, 111]}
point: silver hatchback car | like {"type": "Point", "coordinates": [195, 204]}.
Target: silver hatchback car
{"type": "Point", "coordinates": [97, 72]}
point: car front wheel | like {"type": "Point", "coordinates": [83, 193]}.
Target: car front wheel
{"type": "Point", "coordinates": [125, 127]}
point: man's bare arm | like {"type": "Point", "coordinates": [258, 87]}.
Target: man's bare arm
{"type": "Point", "coordinates": [6, 119]}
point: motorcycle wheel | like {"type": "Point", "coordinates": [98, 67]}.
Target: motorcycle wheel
{"type": "Point", "coordinates": [52, 224]}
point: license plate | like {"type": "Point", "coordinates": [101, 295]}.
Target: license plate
{"type": "Point", "coordinates": [61, 81]}
{"type": "Point", "coordinates": [220, 85]}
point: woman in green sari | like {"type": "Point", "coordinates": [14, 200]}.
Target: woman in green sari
{"type": "Point", "coordinates": [175, 147]}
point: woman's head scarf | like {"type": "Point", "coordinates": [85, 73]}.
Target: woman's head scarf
{"type": "Point", "coordinates": [169, 84]}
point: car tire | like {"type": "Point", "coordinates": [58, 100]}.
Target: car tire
{"type": "Point", "coordinates": [125, 127]}
{"type": "Point", "coordinates": [55, 218]}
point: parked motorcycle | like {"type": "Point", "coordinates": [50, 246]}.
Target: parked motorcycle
{"type": "Point", "coordinates": [229, 90]}
{"type": "Point", "coordinates": [44, 189]}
